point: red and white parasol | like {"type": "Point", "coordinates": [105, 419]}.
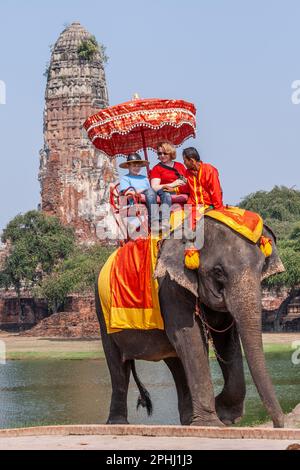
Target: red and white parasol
{"type": "Point", "coordinates": [141, 124]}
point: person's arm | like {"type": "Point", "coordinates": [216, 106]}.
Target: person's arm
{"type": "Point", "coordinates": [155, 183]}
{"type": "Point", "coordinates": [156, 179]}
{"type": "Point", "coordinates": [215, 189]}
{"type": "Point", "coordinates": [140, 191]}
{"type": "Point", "coordinates": [148, 186]}
{"type": "Point", "coordinates": [183, 189]}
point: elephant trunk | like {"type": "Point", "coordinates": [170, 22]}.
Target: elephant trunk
{"type": "Point", "coordinates": [244, 303]}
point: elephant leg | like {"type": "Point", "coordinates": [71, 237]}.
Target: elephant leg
{"type": "Point", "coordinates": [119, 371]}
{"type": "Point", "coordinates": [183, 394]}
{"type": "Point", "coordinates": [186, 336]}
{"type": "Point", "coordinates": [120, 375]}
{"type": "Point", "coordinates": [230, 401]}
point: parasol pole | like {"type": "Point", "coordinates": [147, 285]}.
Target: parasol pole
{"type": "Point", "coordinates": [137, 97]}
{"type": "Point", "coordinates": [145, 152]}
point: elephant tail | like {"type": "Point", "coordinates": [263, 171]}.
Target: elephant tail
{"type": "Point", "coordinates": [144, 399]}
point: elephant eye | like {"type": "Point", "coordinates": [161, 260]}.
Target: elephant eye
{"type": "Point", "coordinates": [218, 272]}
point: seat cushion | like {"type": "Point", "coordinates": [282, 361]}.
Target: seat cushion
{"type": "Point", "coordinates": [176, 198]}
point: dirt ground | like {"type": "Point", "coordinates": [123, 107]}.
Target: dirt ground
{"type": "Point", "coordinates": [280, 338]}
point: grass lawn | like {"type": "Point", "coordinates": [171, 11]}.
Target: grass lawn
{"type": "Point", "coordinates": [79, 351]}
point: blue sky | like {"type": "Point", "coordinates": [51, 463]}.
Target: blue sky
{"type": "Point", "coordinates": [235, 60]}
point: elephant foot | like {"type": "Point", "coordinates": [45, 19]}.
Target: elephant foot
{"type": "Point", "coordinates": [185, 421]}
{"type": "Point", "coordinates": [117, 420]}
{"type": "Point", "coordinates": [278, 422]}
{"type": "Point", "coordinates": [229, 414]}
{"type": "Point", "coordinates": [211, 421]}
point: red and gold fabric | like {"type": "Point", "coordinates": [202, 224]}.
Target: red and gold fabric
{"type": "Point", "coordinates": [127, 288]}
{"type": "Point", "coordinates": [246, 223]}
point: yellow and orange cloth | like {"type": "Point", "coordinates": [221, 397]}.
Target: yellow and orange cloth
{"type": "Point", "coordinates": [246, 223]}
{"type": "Point", "coordinates": [127, 288]}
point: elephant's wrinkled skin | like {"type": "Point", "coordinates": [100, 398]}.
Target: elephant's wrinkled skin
{"type": "Point", "coordinates": [229, 286]}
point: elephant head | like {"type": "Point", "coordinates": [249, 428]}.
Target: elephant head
{"type": "Point", "coordinates": [229, 280]}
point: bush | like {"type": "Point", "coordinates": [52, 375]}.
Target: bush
{"type": "Point", "coordinates": [88, 48]}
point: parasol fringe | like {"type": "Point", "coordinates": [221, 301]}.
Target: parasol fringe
{"type": "Point", "coordinates": [136, 113]}
{"type": "Point", "coordinates": [123, 155]}
{"type": "Point", "coordinates": [151, 126]}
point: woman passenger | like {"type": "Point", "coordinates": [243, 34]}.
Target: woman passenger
{"type": "Point", "coordinates": [166, 176]}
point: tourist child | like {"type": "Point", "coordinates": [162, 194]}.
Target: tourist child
{"type": "Point", "coordinates": [139, 183]}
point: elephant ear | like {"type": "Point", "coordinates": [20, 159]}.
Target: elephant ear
{"type": "Point", "coordinates": [171, 261]}
{"type": "Point", "coordinates": [273, 264]}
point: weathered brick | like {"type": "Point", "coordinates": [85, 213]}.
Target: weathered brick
{"type": "Point", "coordinates": [74, 176]}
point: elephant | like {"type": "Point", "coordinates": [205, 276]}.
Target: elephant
{"type": "Point", "coordinates": [227, 287]}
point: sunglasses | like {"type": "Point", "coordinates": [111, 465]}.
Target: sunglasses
{"type": "Point", "coordinates": [162, 153]}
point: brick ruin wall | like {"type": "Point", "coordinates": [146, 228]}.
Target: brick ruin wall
{"type": "Point", "coordinates": [79, 316]}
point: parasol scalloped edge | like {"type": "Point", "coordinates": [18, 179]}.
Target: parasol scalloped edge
{"type": "Point", "coordinates": [137, 113]}
{"type": "Point", "coordinates": [166, 123]}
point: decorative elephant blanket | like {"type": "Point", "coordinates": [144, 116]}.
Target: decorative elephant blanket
{"type": "Point", "coordinates": [246, 223]}
{"type": "Point", "coordinates": [127, 288]}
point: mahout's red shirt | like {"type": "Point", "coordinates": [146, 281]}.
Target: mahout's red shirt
{"type": "Point", "coordinates": [203, 187]}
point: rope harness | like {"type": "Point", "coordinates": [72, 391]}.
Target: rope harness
{"type": "Point", "coordinates": [207, 329]}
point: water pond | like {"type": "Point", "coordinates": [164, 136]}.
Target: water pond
{"type": "Point", "coordinates": [78, 391]}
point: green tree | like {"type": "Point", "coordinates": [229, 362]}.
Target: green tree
{"type": "Point", "coordinates": [280, 208]}
{"type": "Point", "coordinates": [37, 243]}
{"type": "Point", "coordinates": [295, 238]}
{"type": "Point", "coordinates": [77, 273]}
{"type": "Point", "coordinates": [291, 261]}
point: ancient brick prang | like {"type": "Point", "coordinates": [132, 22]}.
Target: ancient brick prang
{"type": "Point", "coordinates": [74, 176]}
